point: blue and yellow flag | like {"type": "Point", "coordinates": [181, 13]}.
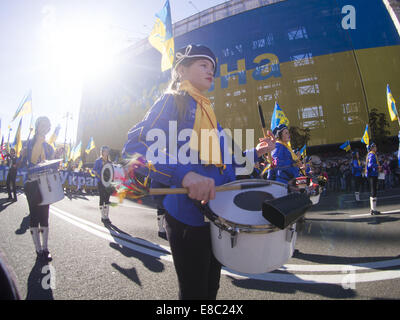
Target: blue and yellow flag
{"type": "Point", "coordinates": [76, 153]}
{"type": "Point", "coordinates": [90, 146]}
{"type": "Point", "coordinates": [346, 146]}
{"type": "Point", "coordinates": [161, 37]}
{"type": "Point", "coordinates": [25, 106]}
{"type": "Point", "coordinates": [53, 138]}
{"type": "Point", "coordinates": [365, 137]}
{"type": "Point", "coordinates": [17, 141]}
{"type": "Point", "coordinates": [278, 117]}
{"type": "Point", "coordinates": [303, 151]}
{"type": "Point", "coordinates": [391, 105]}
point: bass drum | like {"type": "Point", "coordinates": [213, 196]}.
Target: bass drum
{"type": "Point", "coordinates": [242, 239]}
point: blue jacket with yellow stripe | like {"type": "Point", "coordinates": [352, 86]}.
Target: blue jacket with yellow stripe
{"type": "Point", "coordinates": [372, 165]}
{"type": "Point", "coordinates": [285, 168]}
{"type": "Point", "coordinates": [171, 172]}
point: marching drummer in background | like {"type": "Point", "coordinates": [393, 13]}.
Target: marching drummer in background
{"type": "Point", "coordinates": [104, 202]}
{"type": "Point", "coordinates": [188, 233]}
{"type": "Point", "coordinates": [286, 164]}
{"type": "Point", "coordinates": [37, 151]}
{"type": "Point", "coordinates": [12, 174]}
{"type": "Point", "coordinates": [372, 168]}
{"type": "Point", "coordinates": [356, 170]}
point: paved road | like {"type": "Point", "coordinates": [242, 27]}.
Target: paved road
{"type": "Point", "coordinates": [343, 253]}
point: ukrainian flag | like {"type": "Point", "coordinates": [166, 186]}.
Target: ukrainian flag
{"type": "Point", "coordinates": [346, 146]}
{"type": "Point", "coordinates": [365, 137]}
{"type": "Point", "coordinates": [161, 37]}
{"type": "Point", "coordinates": [25, 106]}
{"type": "Point", "coordinates": [391, 105]}
{"type": "Point", "coordinates": [90, 146]}
{"type": "Point", "coordinates": [53, 138]}
{"type": "Point", "coordinates": [76, 153]}
{"type": "Point", "coordinates": [278, 117]}
{"type": "Point", "coordinates": [18, 141]}
{"type": "Point", "coordinates": [303, 151]}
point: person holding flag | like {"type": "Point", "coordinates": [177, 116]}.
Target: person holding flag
{"type": "Point", "coordinates": [286, 164]}
{"type": "Point", "coordinates": [36, 151]}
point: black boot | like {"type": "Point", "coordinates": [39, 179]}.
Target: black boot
{"type": "Point", "coordinates": [46, 256]}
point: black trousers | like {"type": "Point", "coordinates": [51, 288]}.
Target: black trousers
{"type": "Point", "coordinates": [357, 183]}
{"type": "Point", "coordinates": [373, 185]}
{"type": "Point", "coordinates": [11, 184]}
{"type": "Point", "coordinates": [104, 195]}
{"type": "Point", "coordinates": [39, 215]}
{"type": "Point", "coordinates": [197, 269]}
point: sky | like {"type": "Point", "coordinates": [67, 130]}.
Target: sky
{"type": "Point", "coordinates": [52, 46]}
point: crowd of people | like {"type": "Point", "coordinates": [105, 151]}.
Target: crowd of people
{"type": "Point", "coordinates": [341, 178]}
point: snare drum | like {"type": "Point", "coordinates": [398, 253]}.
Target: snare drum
{"type": "Point", "coordinates": [112, 174]}
{"type": "Point", "coordinates": [242, 239]}
{"type": "Point", "coordinates": [49, 183]}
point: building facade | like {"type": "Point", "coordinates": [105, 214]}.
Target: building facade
{"type": "Point", "coordinates": [326, 63]}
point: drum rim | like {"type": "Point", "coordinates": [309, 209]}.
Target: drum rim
{"type": "Point", "coordinates": [223, 223]}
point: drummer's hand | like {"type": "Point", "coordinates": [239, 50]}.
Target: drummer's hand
{"type": "Point", "coordinates": [200, 187]}
{"type": "Point", "coordinates": [266, 144]}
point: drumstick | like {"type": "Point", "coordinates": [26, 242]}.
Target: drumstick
{"type": "Point", "coordinates": [164, 191]}
{"type": "Point", "coordinates": [261, 119]}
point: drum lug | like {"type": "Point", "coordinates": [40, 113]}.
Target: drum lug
{"type": "Point", "coordinates": [289, 234]}
{"type": "Point", "coordinates": [234, 234]}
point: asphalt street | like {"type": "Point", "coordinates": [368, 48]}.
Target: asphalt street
{"type": "Point", "coordinates": [342, 253]}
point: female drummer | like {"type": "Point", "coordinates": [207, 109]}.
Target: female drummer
{"type": "Point", "coordinates": [285, 161]}
{"type": "Point", "coordinates": [372, 171]}
{"type": "Point", "coordinates": [104, 203]}
{"type": "Point", "coordinates": [37, 151]}
{"type": "Point", "coordinates": [185, 106]}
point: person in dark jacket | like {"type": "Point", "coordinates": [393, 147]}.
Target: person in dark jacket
{"type": "Point", "coordinates": [12, 175]}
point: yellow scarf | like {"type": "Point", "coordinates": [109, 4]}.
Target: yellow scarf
{"type": "Point", "coordinates": [205, 119]}
{"type": "Point", "coordinates": [38, 151]}
{"type": "Point", "coordinates": [294, 156]}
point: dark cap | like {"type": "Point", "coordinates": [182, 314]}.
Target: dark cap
{"type": "Point", "coordinates": [195, 51]}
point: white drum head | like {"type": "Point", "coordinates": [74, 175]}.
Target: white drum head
{"type": "Point", "coordinates": [245, 206]}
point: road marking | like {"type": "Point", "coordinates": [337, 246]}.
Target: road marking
{"type": "Point", "coordinates": [111, 232]}
{"type": "Point", "coordinates": [381, 198]}
{"type": "Point", "coordinates": [272, 276]}
{"type": "Point", "coordinates": [369, 214]}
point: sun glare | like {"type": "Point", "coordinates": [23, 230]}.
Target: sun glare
{"type": "Point", "coordinates": [77, 50]}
